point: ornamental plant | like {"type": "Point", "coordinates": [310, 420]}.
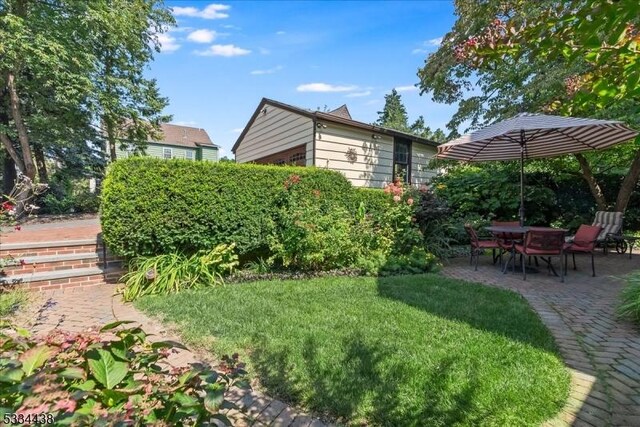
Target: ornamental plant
{"type": "Point", "coordinates": [114, 376]}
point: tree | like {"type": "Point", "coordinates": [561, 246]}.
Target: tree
{"type": "Point", "coordinates": [394, 116]}
{"type": "Point", "coordinates": [67, 66]}
{"type": "Point", "coordinates": [557, 56]}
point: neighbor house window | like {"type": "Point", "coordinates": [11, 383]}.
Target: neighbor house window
{"type": "Point", "coordinates": [167, 153]}
{"type": "Point", "coordinates": [189, 155]}
{"type": "Point", "coordinates": [401, 159]}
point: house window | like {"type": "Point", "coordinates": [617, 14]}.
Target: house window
{"type": "Point", "coordinates": [167, 153]}
{"type": "Point", "coordinates": [189, 155]}
{"type": "Point", "coordinates": [279, 162]}
{"type": "Point", "coordinates": [297, 158]}
{"type": "Point", "coordinates": [402, 160]}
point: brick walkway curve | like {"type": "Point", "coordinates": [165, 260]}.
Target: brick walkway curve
{"type": "Point", "coordinates": [602, 351]}
{"type": "Point", "coordinates": [77, 309]}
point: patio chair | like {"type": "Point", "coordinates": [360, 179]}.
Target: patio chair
{"type": "Point", "coordinates": [479, 245]}
{"type": "Point", "coordinates": [584, 242]}
{"type": "Point", "coordinates": [542, 243]}
{"type": "Point", "coordinates": [611, 224]}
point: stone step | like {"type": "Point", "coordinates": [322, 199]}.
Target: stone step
{"type": "Point", "coordinates": [41, 263]}
{"type": "Point", "coordinates": [56, 279]}
{"type": "Point", "coordinates": [54, 247]}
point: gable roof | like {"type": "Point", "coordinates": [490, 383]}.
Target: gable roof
{"type": "Point", "coordinates": [340, 115]}
{"type": "Point", "coordinates": [342, 111]}
{"type": "Point", "coordinates": [185, 136]}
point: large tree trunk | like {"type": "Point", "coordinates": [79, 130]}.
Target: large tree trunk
{"type": "Point", "coordinates": [23, 137]}
{"type": "Point", "coordinates": [111, 139]}
{"type": "Point", "coordinates": [9, 174]}
{"type": "Point", "coordinates": [587, 174]}
{"type": "Point", "coordinates": [628, 184]}
{"type": "Point", "coordinates": [41, 163]}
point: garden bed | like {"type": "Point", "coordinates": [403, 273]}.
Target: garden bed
{"type": "Point", "coordinates": [404, 350]}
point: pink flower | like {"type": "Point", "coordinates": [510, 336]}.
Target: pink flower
{"type": "Point", "coordinates": [67, 405]}
{"type": "Point", "coordinates": [396, 198]}
{"type": "Point", "coordinates": [410, 202]}
{"type": "Point", "coordinates": [387, 189]}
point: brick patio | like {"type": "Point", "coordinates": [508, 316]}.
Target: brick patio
{"type": "Point", "coordinates": [602, 351]}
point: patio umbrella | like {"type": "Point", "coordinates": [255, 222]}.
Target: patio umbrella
{"type": "Point", "coordinates": [533, 136]}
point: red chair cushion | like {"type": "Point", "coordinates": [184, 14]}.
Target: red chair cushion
{"type": "Point", "coordinates": [531, 251]}
{"type": "Point", "coordinates": [491, 244]}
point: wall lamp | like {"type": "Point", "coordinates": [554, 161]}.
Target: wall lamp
{"type": "Point", "coordinates": [321, 125]}
{"type": "Point", "coordinates": [374, 136]}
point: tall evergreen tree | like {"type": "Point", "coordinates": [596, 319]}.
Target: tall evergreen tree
{"type": "Point", "coordinates": [394, 114]}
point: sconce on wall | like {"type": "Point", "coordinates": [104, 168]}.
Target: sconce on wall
{"type": "Point", "coordinates": [374, 136]}
{"type": "Point", "coordinates": [321, 126]}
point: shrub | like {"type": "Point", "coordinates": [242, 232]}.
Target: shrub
{"type": "Point", "coordinates": [630, 299]}
{"type": "Point", "coordinates": [163, 274]}
{"type": "Point", "coordinates": [69, 195]}
{"type": "Point", "coordinates": [93, 379]}
{"type": "Point", "coordinates": [154, 206]}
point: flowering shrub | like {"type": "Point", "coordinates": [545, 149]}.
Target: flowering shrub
{"type": "Point", "coordinates": [399, 220]}
{"type": "Point", "coordinates": [92, 379]}
{"type": "Point", "coordinates": [162, 274]}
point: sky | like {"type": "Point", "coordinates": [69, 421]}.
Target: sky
{"type": "Point", "coordinates": [223, 58]}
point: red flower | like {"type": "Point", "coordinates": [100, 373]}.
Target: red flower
{"type": "Point", "coordinates": [18, 228]}
{"type": "Point", "coordinates": [7, 206]}
{"type": "Point", "coordinates": [22, 262]}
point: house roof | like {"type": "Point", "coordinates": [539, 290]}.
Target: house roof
{"type": "Point", "coordinates": [185, 136]}
{"type": "Point", "coordinates": [340, 115]}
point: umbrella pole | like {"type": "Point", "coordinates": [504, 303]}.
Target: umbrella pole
{"type": "Point", "coordinates": [522, 144]}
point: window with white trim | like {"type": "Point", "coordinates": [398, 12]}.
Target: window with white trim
{"type": "Point", "coordinates": [167, 153]}
{"type": "Point", "coordinates": [189, 155]}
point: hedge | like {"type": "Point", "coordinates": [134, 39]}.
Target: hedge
{"type": "Point", "coordinates": [153, 206]}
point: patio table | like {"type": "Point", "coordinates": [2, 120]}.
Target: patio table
{"type": "Point", "coordinates": [517, 232]}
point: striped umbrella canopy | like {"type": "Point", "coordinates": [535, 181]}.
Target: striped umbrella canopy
{"type": "Point", "coordinates": [533, 136]}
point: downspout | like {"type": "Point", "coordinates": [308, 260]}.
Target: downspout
{"type": "Point", "coordinates": [313, 142]}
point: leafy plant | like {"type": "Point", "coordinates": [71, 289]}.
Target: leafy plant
{"type": "Point", "coordinates": [116, 379]}
{"type": "Point", "coordinates": [630, 299]}
{"type": "Point", "coordinates": [11, 300]}
{"type": "Point", "coordinates": [162, 274]}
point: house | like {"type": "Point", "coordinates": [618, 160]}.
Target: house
{"type": "Point", "coordinates": [368, 155]}
{"type": "Point", "coordinates": [178, 142]}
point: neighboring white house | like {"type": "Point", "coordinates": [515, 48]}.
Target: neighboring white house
{"type": "Point", "coordinates": [368, 155]}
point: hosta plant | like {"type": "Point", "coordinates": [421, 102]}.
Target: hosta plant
{"type": "Point", "coordinates": [167, 273]}
{"type": "Point", "coordinates": [111, 377]}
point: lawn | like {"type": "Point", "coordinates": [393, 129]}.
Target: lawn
{"type": "Point", "coordinates": [405, 350]}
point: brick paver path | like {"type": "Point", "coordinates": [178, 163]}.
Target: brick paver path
{"type": "Point", "coordinates": [77, 309]}
{"type": "Point", "coordinates": [602, 351]}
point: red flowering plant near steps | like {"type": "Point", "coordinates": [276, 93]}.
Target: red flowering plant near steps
{"type": "Point", "coordinates": [15, 206]}
{"type": "Point", "coordinates": [114, 376]}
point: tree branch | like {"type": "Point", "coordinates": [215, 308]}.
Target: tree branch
{"type": "Point", "coordinates": [588, 176]}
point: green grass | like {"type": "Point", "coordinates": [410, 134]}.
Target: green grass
{"type": "Point", "coordinates": [11, 300]}
{"type": "Point", "coordinates": [405, 350]}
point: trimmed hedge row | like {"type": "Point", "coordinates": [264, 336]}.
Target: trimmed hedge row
{"type": "Point", "coordinates": [153, 206]}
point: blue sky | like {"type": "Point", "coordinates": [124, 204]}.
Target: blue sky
{"type": "Point", "coordinates": [224, 57]}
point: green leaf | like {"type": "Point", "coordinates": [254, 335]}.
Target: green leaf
{"type": "Point", "coordinates": [86, 386]}
{"type": "Point", "coordinates": [73, 372]}
{"type": "Point", "coordinates": [11, 375]}
{"type": "Point", "coordinates": [35, 357]}
{"type": "Point", "coordinates": [184, 399]}
{"type": "Point", "coordinates": [106, 370]}
{"type": "Point", "coordinates": [213, 399]}
{"type": "Point", "coordinates": [114, 325]}
{"type": "Point", "coordinates": [113, 397]}
{"type": "Point", "coordinates": [168, 344]}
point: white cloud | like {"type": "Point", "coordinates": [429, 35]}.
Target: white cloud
{"type": "Point", "coordinates": [428, 45]}
{"type": "Point", "coordinates": [325, 87]}
{"type": "Point", "coordinates": [237, 130]}
{"type": "Point", "coordinates": [185, 123]}
{"type": "Point", "coordinates": [410, 88]}
{"type": "Point", "coordinates": [268, 71]}
{"type": "Point", "coordinates": [212, 11]}
{"type": "Point", "coordinates": [264, 51]}
{"type": "Point", "coordinates": [231, 27]}
{"type": "Point", "coordinates": [373, 102]}
{"type": "Point", "coordinates": [358, 94]}
{"type": "Point", "coordinates": [280, 33]}
{"type": "Point", "coordinates": [168, 43]}
{"type": "Point", "coordinates": [202, 36]}
{"type": "Point", "coordinates": [227, 50]}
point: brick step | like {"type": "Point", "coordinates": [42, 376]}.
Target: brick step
{"type": "Point", "coordinates": [56, 279]}
{"type": "Point", "coordinates": [57, 247]}
{"type": "Point", "coordinates": [37, 264]}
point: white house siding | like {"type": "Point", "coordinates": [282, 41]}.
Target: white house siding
{"type": "Point", "coordinates": [420, 156]}
{"type": "Point", "coordinates": [209, 153]}
{"type": "Point", "coordinates": [372, 165]}
{"type": "Point", "coordinates": [277, 130]}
